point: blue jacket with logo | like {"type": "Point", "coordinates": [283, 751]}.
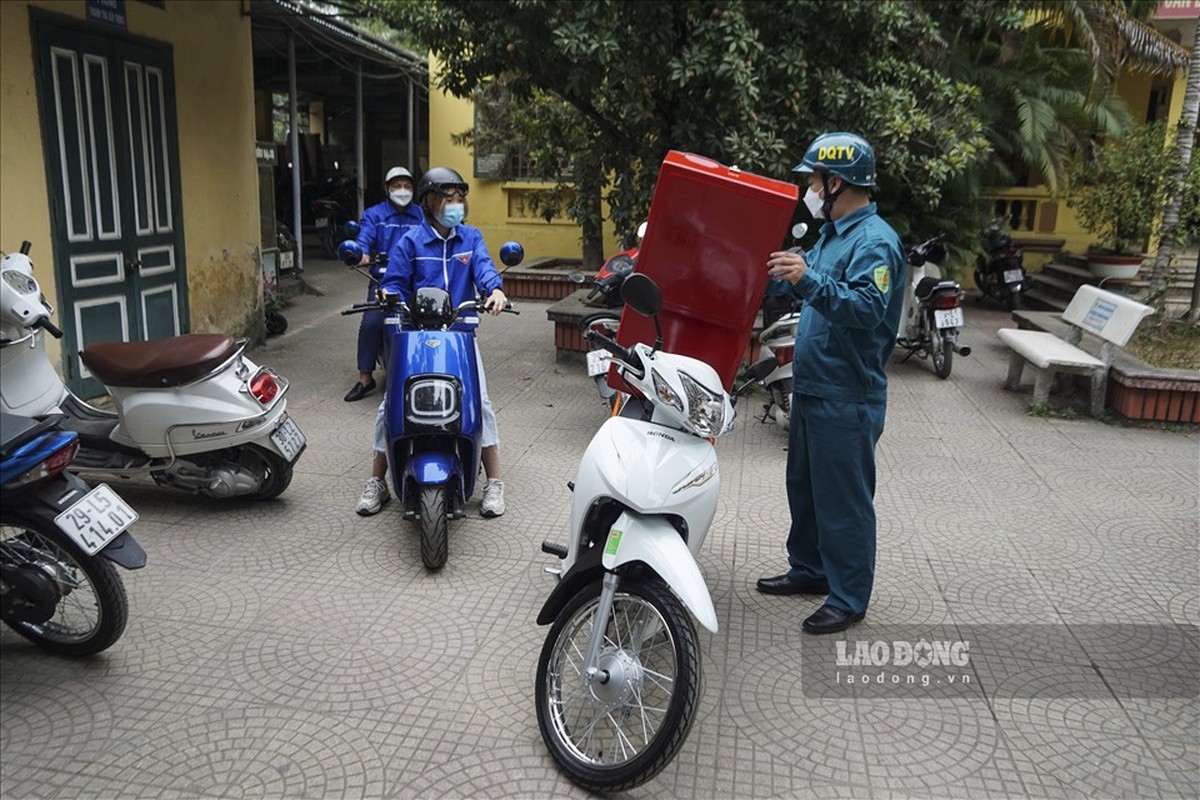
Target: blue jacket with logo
{"type": "Point", "coordinates": [460, 264]}
{"type": "Point", "coordinates": [853, 292]}
{"type": "Point", "coordinates": [382, 224]}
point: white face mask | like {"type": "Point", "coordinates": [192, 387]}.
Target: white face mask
{"type": "Point", "coordinates": [401, 197]}
{"type": "Point", "coordinates": [815, 204]}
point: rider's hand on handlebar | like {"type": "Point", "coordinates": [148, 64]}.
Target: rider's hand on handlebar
{"type": "Point", "coordinates": [787, 266]}
{"type": "Point", "coordinates": [365, 260]}
{"type": "Point", "coordinates": [495, 303]}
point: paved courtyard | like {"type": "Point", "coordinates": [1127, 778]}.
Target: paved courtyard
{"type": "Point", "coordinates": [293, 649]}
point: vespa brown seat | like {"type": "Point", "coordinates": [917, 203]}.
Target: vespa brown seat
{"type": "Point", "coordinates": [161, 363]}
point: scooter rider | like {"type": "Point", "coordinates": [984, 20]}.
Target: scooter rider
{"type": "Point", "coordinates": [382, 224]}
{"type": "Point", "coordinates": [852, 283]}
{"type": "Point", "coordinates": [450, 255]}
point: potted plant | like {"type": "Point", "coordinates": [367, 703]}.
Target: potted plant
{"type": "Point", "coordinates": [1117, 195]}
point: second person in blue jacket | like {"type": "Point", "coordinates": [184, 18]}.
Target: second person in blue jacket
{"type": "Point", "coordinates": [445, 253]}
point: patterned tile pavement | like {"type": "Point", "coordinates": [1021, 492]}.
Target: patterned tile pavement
{"type": "Point", "coordinates": [293, 649]}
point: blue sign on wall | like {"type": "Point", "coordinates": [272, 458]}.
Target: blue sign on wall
{"type": "Point", "coordinates": [107, 12]}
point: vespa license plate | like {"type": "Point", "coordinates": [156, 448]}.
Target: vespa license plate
{"type": "Point", "coordinates": [951, 318]}
{"type": "Point", "coordinates": [96, 520]}
{"type": "Point", "coordinates": [288, 438]}
{"type": "Point", "coordinates": [597, 362]}
{"type": "Point", "coordinates": [1013, 276]}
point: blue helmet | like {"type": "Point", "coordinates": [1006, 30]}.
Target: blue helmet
{"type": "Point", "coordinates": [846, 155]}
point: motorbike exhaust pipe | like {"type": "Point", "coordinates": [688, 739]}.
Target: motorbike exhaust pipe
{"type": "Point", "coordinates": [962, 350]}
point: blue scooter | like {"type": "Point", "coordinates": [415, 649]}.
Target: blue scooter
{"type": "Point", "coordinates": [433, 414]}
{"type": "Point", "coordinates": [57, 538]}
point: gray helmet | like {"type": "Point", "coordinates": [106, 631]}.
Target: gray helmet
{"type": "Point", "coordinates": [440, 179]}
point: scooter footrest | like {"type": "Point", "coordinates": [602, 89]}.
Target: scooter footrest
{"type": "Point", "coordinates": [553, 549]}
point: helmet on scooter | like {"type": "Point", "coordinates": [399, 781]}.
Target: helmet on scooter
{"type": "Point", "coordinates": [431, 308]}
{"type": "Point", "coordinates": [440, 179]}
{"type": "Point", "coordinates": [846, 155]}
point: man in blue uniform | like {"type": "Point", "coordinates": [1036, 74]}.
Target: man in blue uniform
{"type": "Point", "coordinates": [382, 224]}
{"type": "Point", "coordinates": [851, 283]}
{"type": "Point", "coordinates": [446, 253]}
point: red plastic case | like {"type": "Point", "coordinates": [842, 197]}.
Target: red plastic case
{"type": "Point", "coordinates": [709, 233]}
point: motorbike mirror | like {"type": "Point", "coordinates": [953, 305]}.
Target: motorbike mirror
{"type": "Point", "coordinates": [512, 253]}
{"type": "Point", "coordinates": [641, 231]}
{"type": "Point", "coordinates": [350, 252]}
{"type": "Point", "coordinates": [798, 230]}
{"type": "Point", "coordinates": [576, 276]}
{"type": "Point", "coordinates": [352, 228]}
{"type": "Point", "coordinates": [642, 294]}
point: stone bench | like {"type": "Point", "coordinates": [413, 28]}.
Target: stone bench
{"type": "Point", "coordinates": [1094, 311]}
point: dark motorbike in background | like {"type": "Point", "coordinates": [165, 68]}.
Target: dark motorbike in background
{"type": "Point", "coordinates": [932, 311]}
{"type": "Point", "coordinates": [59, 539]}
{"type": "Point", "coordinates": [1000, 275]}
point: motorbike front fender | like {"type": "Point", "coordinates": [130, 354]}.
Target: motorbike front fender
{"type": "Point", "coordinates": [651, 540]}
{"type": "Point", "coordinates": [429, 469]}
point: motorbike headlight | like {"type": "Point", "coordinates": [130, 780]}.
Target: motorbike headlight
{"type": "Point", "coordinates": [665, 392]}
{"type": "Point", "coordinates": [706, 409]}
{"type": "Point", "coordinates": [432, 401]}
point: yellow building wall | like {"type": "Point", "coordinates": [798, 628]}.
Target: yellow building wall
{"type": "Point", "coordinates": [496, 207]}
{"type": "Point", "coordinates": [214, 109]}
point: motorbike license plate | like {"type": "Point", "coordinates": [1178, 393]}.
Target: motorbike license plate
{"type": "Point", "coordinates": [97, 519]}
{"type": "Point", "coordinates": [287, 260]}
{"type": "Point", "coordinates": [288, 438]}
{"type": "Point", "coordinates": [951, 318]}
{"type": "Point", "coordinates": [1013, 276]}
{"type": "Point", "coordinates": [320, 222]}
{"type": "Point", "coordinates": [597, 362]}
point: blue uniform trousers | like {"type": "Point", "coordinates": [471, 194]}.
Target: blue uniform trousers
{"type": "Point", "coordinates": [370, 334]}
{"type": "Point", "coordinates": [831, 493]}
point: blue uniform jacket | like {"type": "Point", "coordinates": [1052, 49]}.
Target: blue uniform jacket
{"type": "Point", "coordinates": [382, 224]}
{"type": "Point", "coordinates": [853, 292]}
{"type": "Point", "coordinates": [460, 264]}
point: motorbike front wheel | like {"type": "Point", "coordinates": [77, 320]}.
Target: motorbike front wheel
{"type": "Point", "coordinates": [41, 566]}
{"type": "Point", "coordinates": [435, 537]}
{"type": "Point", "coordinates": [940, 353]}
{"type": "Point", "coordinates": [623, 728]}
{"type": "Point", "coordinates": [1012, 301]}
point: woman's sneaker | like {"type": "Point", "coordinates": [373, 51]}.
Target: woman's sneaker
{"type": "Point", "coordinates": [374, 495]}
{"type": "Point", "coordinates": [493, 499]}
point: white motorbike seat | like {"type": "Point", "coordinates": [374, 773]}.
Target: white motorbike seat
{"type": "Point", "coordinates": [161, 363]}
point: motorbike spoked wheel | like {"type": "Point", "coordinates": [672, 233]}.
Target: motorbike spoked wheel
{"type": "Point", "coordinates": [435, 534]}
{"type": "Point", "coordinates": [619, 733]}
{"type": "Point", "coordinates": [940, 353]}
{"type": "Point", "coordinates": [1012, 301]}
{"type": "Point", "coordinates": [91, 608]}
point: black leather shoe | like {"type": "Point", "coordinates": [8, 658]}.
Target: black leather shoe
{"type": "Point", "coordinates": [828, 619]}
{"type": "Point", "coordinates": [358, 391]}
{"type": "Point", "coordinates": [782, 584]}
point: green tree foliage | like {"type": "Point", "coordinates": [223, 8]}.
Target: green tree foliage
{"type": "Point", "coordinates": [746, 83]}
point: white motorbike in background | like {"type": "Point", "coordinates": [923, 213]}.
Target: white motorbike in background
{"type": "Point", "coordinates": [191, 412]}
{"type": "Point", "coordinates": [618, 680]}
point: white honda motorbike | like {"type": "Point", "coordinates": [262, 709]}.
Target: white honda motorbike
{"type": "Point", "coordinates": [191, 412]}
{"type": "Point", "coordinates": [618, 680]}
{"type": "Point", "coordinates": [777, 348]}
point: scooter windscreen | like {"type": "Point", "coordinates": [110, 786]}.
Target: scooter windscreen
{"type": "Point", "coordinates": [432, 308]}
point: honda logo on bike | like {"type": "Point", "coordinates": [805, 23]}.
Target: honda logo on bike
{"type": "Point", "coordinates": [433, 342]}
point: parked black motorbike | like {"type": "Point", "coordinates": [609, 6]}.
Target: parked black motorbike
{"type": "Point", "coordinates": [932, 309]}
{"type": "Point", "coordinates": [59, 539]}
{"type": "Point", "coordinates": [1000, 274]}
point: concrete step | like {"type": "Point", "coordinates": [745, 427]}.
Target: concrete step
{"type": "Point", "coordinates": [1039, 299]}
{"type": "Point", "coordinates": [1079, 275]}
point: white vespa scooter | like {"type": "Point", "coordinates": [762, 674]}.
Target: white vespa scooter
{"type": "Point", "coordinates": [192, 412]}
{"type": "Point", "coordinates": [618, 679]}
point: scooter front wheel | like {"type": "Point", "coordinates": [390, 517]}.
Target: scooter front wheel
{"type": "Point", "coordinates": [56, 597]}
{"type": "Point", "coordinates": [622, 728]}
{"type": "Point", "coordinates": [435, 536]}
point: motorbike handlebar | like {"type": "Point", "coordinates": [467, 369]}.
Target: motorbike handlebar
{"type": "Point", "coordinates": [49, 327]}
{"type": "Point", "coordinates": [609, 344]}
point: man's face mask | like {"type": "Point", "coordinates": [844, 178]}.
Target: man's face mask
{"type": "Point", "coordinates": [401, 197]}
{"type": "Point", "coordinates": [452, 214]}
{"type": "Point", "coordinates": [815, 203]}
